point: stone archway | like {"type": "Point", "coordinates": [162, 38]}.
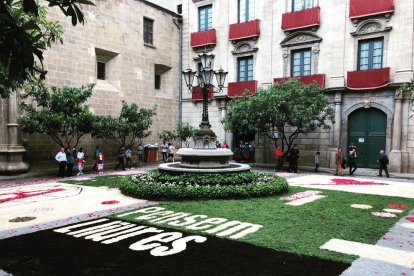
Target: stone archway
{"type": "Point", "coordinates": [367, 129]}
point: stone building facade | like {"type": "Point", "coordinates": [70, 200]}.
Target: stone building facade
{"type": "Point", "coordinates": [137, 70]}
{"type": "Point", "coordinates": [359, 50]}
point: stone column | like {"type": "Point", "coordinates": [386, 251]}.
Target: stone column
{"type": "Point", "coordinates": [336, 131]}
{"type": "Point", "coordinates": [395, 154]}
{"type": "Point", "coordinates": [11, 153]}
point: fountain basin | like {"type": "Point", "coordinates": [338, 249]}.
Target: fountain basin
{"type": "Point", "coordinates": [176, 168]}
{"type": "Point", "coordinates": [205, 158]}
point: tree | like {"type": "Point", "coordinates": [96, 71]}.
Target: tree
{"type": "Point", "coordinates": [186, 133]}
{"type": "Point", "coordinates": [408, 88]}
{"type": "Point", "coordinates": [25, 35]}
{"type": "Point", "coordinates": [129, 128]}
{"type": "Point", "coordinates": [58, 112]}
{"type": "Point", "coordinates": [168, 135]}
{"type": "Point", "coordinates": [289, 108]}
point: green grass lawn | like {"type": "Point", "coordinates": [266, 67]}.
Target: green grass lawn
{"type": "Point", "coordinates": [299, 229]}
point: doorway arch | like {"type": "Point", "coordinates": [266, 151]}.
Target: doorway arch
{"type": "Point", "coordinates": [367, 129]}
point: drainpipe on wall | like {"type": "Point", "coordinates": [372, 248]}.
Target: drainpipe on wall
{"type": "Point", "coordinates": [178, 22]}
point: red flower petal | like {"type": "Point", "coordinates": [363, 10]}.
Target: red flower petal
{"type": "Point", "coordinates": [398, 206]}
{"type": "Point", "coordinates": [110, 202]}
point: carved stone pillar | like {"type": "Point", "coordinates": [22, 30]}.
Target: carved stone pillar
{"type": "Point", "coordinates": [336, 131]}
{"type": "Point", "coordinates": [395, 154]}
{"type": "Point", "coordinates": [11, 153]}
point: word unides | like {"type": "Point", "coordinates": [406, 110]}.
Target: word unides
{"type": "Point", "coordinates": [218, 226]}
{"type": "Point", "coordinates": [115, 231]}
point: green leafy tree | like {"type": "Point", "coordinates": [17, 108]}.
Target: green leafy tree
{"type": "Point", "coordinates": [290, 108]}
{"type": "Point", "coordinates": [25, 34]}
{"type": "Point", "coordinates": [129, 128]}
{"type": "Point", "coordinates": [408, 88]}
{"type": "Point", "coordinates": [58, 112]}
{"type": "Point", "coordinates": [186, 133]}
{"type": "Point", "coordinates": [168, 135]}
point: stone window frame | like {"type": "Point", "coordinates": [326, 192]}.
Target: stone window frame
{"type": "Point", "coordinates": [371, 29]}
{"type": "Point", "coordinates": [289, 5]}
{"type": "Point", "coordinates": [145, 32]}
{"type": "Point", "coordinates": [298, 41]}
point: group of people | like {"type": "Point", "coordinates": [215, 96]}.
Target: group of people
{"type": "Point", "coordinates": [66, 159]}
{"type": "Point", "coordinates": [167, 151]}
{"type": "Point", "coordinates": [340, 160]}
{"type": "Point", "coordinates": [223, 145]}
{"type": "Point", "coordinates": [292, 158]}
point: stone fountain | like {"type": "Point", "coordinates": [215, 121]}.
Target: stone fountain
{"type": "Point", "coordinates": [204, 157]}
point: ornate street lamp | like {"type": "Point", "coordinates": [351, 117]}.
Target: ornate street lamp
{"type": "Point", "coordinates": [205, 137]}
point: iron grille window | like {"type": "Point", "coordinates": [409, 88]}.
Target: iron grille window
{"type": "Point", "coordinates": [205, 18]}
{"type": "Point", "coordinates": [101, 70]}
{"type": "Point", "coordinates": [246, 10]}
{"type": "Point", "coordinates": [301, 62]}
{"type": "Point", "coordinates": [148, 31]}
{"type": "Point", "coordinates": [157, 81]}
{"type": "Point", "coordinates": [245, 69]}
{"type": "Point", "coordinates": [370, 54]}
{"type": "Point", "coordinates": [298, 5]}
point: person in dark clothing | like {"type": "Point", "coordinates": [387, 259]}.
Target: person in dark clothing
{"type": "Point", "coordinates": [121, 156]}
{"type": "Point", "coordinates": [70, 162]}
{"type": "Point", "coordinates": [352, 159]}
{"type": "Point", "coordinates": [383, 162]}
{"type": "Point", "coordinates": [294, 156]}
{"type": "Point", "coordinates": [97, 150]}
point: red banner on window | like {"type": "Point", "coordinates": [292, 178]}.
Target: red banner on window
{"type": "Point", "coordinates": [203, 38]}
{"type": "Point", "coordinates": [368, 79]}
{"type": "Point", "coordinates": [362, 8]}
{"type": "Point", "coordinates": [237, 89]}
{"type": "Point", "coordinates": [319, 79]}
{"type": "Point", "coordinates": [197, 95]}
{"type": "Point", "coordinates": [244, 30]}
{"type": "Point", "coordinates": [301, 19]}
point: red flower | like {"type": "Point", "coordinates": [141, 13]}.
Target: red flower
{"type": "Point", "coordinates": [110, 202]}
{"type": "Point", "coordinates": [345, 181]}
{"type": "Point", "coordinates": [410, 219]}
{"type": "Point", "coordinates": [398, 206]}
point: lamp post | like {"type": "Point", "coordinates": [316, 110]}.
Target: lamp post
{"type": "Point", "coordinates": [204, 136]}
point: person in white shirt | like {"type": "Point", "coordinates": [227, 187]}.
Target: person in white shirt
{"type": "Point", "coordinates": [170, 151]}
{"type": "Point", "coordinates": [164, 149]}
{"type": "Point", "coordinates": [61, 158]}
{"type": "Point", "coordinates": [81, 161]}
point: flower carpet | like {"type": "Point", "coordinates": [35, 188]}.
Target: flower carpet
{"type": "Point", "coordinates": [324, 232]}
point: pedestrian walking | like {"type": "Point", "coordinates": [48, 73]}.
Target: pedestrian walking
{"type": "Point", "coordinates": [100, 161]}
{"type": "Point", "coordinates": [352, 155]}
{"type": "Point", "coordinates": [81, 161]}
{"type": "Point", "coordinates": [170, 151]}
{"type": "Point", "coordinates": [70, 162]}
{"type": "Point", "coordinates": [95, 156]}
{"type": "Point", "coordinates": [279, 159]}
{"type": "Point", "coordinates": [61, 158]}
{"type": "Point", "coordinates": [317, 161]}
{"type": "Point", "coordinates": [121, 156]}
{"type": "Point", "coordinates": [294, 156]}
{"type": "Point", "coordinates": [164, 149]}
{"type": "Point", "coordinates": [128, 156]}
{"type": "Point", "coordinates": [140, 153]}
{"type": "Point", "coordinates": [338, 162]}
{"type": "Point", "coordinates": [383, 162]}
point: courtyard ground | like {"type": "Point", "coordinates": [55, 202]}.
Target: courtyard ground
{"type": "Point", "coordinates": [324, 225]}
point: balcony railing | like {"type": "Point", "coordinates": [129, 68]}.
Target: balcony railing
{"type": "Point", "coordinates": [301, 19]}
{"type": "Point", "coordinates": [368, 79]}
{"type": "Point", "coordinates": [197, 95]}
{"type": "Point", "coordinates": [237, 89]}
{"type": "Point", "coordinates": [244, 30]}
{"type": "Point", "coordinates": [204, 38]}
{"type": "Point", "coordinates": [319, 79]}
{"type": "Point", "coordinates": [364, 8]}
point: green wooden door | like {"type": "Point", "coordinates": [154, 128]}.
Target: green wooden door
{"type": "Point", "coordinates": [367, 130]}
